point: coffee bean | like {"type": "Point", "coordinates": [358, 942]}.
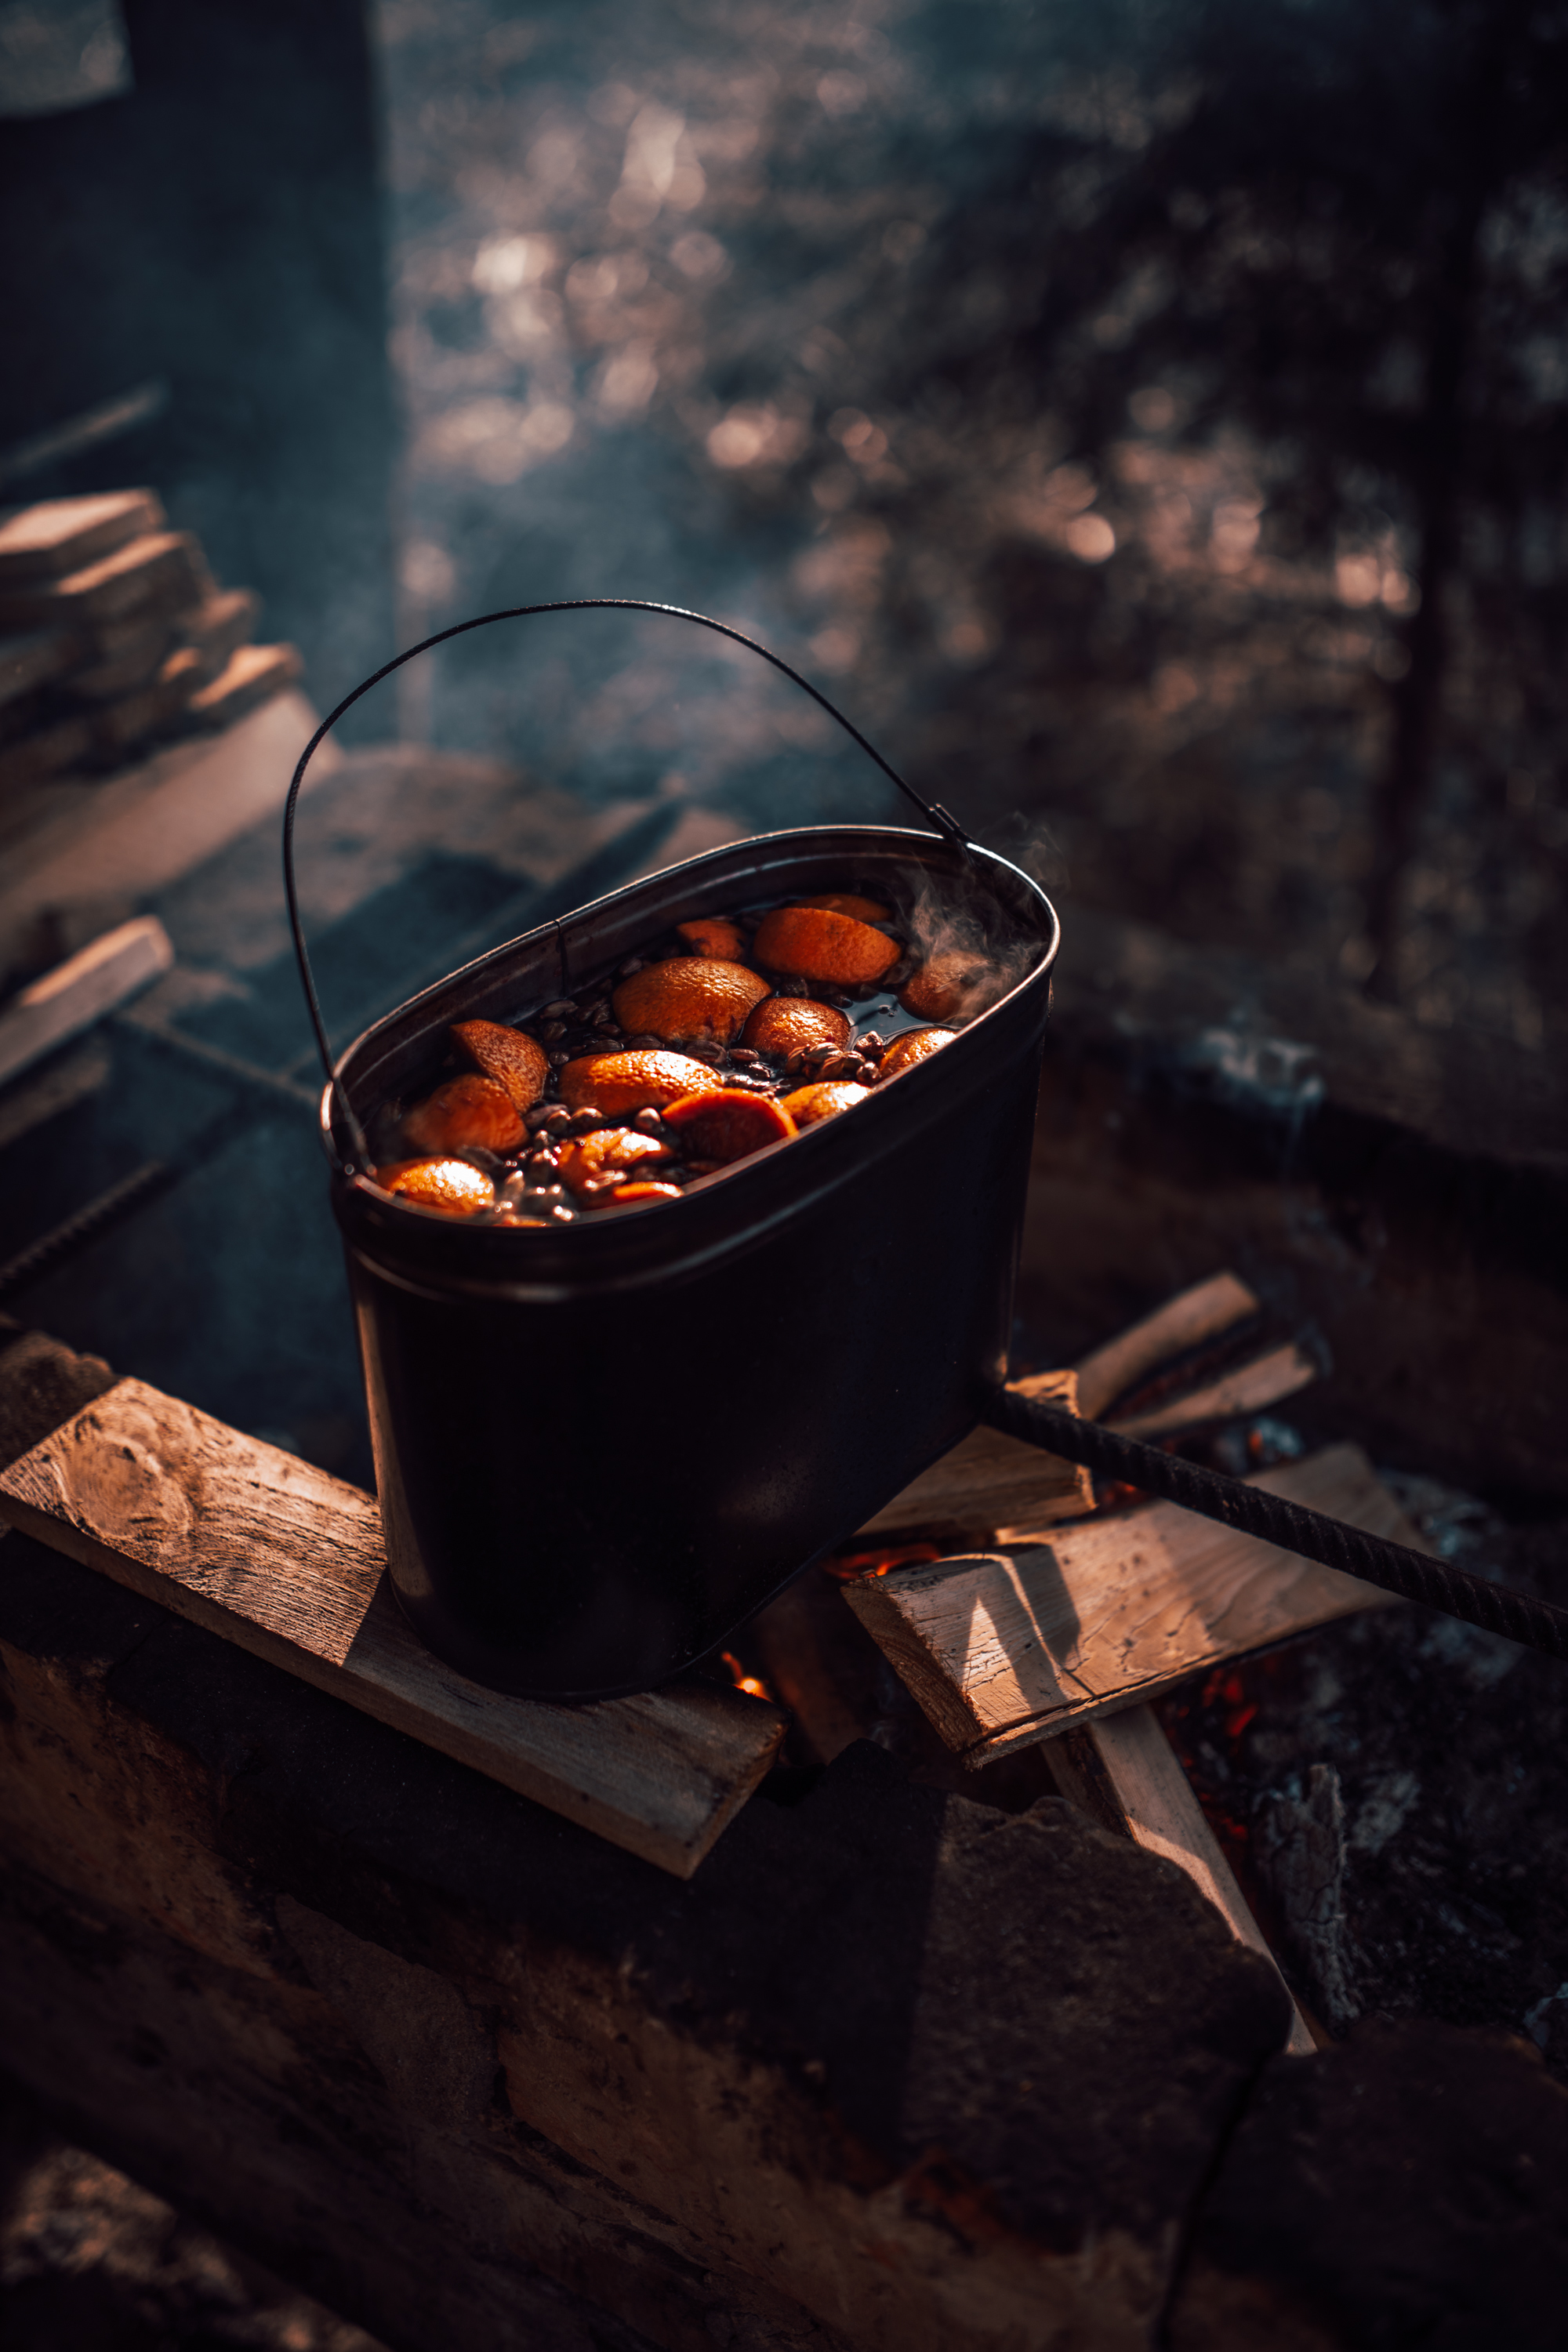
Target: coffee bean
{"type": "Point", "coordinates": [647, 1121]}
{"type": "Point", "coordinates": [556, 1119]}
{"type": "Point", "coordinates": [562, 1009]}
{"type": "Point", "coordinates": [645, 1042]}
{"type": "Point", "coordinates": [702, 1049]}
{"type": "Point", "coordinates": [871, 1045]}
{"type": "Point", "coordinates": [744, 1057]}
{"type": "Point", "coordinates": [550, 1030]}
{"type": "Point", "coordinates": [558, 1060]}
{"type": "Point", "coordinates": [632, 964]}
{"type": "Point", "coordinates": [587, 1120]}
{"type": "Point", "coordinates": [539, 1116]}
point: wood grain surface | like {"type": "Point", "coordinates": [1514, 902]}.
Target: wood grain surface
{"type": "Point", "coordinates": [1164, 1816]}
{"type": "Point", "coordinates": [1005, 1649]}
{"type": "Point", "coordinates": [288, 1563]}
{"type": "Point", "coordinates": [990, 1480]}
{"type": "Point", "coordinates": [1202, 1313]}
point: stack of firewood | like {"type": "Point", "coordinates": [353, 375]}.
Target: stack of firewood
{"type": "Point", "coordinates": [114, 636]}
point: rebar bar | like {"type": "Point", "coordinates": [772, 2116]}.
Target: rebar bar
{"type": "Point", "coordinates": [1414, 1575]}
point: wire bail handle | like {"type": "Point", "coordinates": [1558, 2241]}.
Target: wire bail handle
{"type": "Point", "coordinates": [946, 825]}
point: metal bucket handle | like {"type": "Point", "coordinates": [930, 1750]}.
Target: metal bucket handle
{"type": "Point", "coordinates": [932, 811]}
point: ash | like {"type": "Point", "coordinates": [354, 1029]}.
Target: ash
{"type": "Point", "coordinates": [1392, 1794]}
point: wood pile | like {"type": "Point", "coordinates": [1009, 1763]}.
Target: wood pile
{"type": "Point", "coordinates": [114, 636]}
{"type": "Point", "coordinates": [1005, 1646]}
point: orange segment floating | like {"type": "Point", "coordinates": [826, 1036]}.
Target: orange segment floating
{"type": "Point", "coordinates": [636, 1196]}
{"type": "Point", "coordinates": [596, 1162]}
{"type": "Point", "coordinates": [519, 1063]}
{"type": "Point", "coordinates": [714, 935]}
{"type": "Point", "coordinates": [465, 1113]}
{"type": "Point", "coordinates": [788, 1024]}
{"type": "Point", "coordinates": [914, 1046]}
{"type": "Point", "coordinates": [956, 983]}
{"type": "Point", "coordinates": [689, 996]}
{"type": "Point", "coordinates": [808, 1105]}
{"type": "Point", "coordinates": [727, 1126]}
{"type": "Point", "coordinates": [644, 1080]}
{"type": "Point", "coordinates": [450, 1185]}
{"type": "Point", "coordinates": [835, 950]}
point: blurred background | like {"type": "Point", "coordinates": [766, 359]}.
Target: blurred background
{"type": "Point", "coordinates": [1148, 420]}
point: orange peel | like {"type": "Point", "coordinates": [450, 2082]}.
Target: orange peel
{"type": "Point", "coordinates": [914, 1046]}
{"type": "Point", "coordinates": [808, 1106]}
{"type": "Point", "coordinates": [689, 996]}
{"type": "Point", "coordinates": [955, 983]}
{"type": "Point", "coordinates": [465, 1114]}
{"type": "Point", "coordinates": [714, 935]}
{"type": "Point", "coordinates": [515, 1061]}
{"type": "Point", "coordinates": [453, 1186]}
{"type": "Point", "coordinates": [788, 1024]}
{"type": "Point", "coordinates": [720, 1129]}
{"type": "Point", "coordinates": [646, 1079]}
{"type": "Point", "coordinates": [593, 1163]}
{"type": "Point", "coordinates": [813, 943]}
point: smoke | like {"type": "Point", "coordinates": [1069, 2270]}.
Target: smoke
{"type": "Point", "coordinates": [967, 950]}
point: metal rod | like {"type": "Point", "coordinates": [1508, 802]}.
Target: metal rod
{"type": "Point", "coordinates": [1414, 1575]}
{"type": "Point", "coordinates": [63, 1241]}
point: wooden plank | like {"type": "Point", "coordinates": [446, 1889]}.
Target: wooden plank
{"type": "Point", "coordinates": [161, 570]}
{"type": "Point", "coordinates": [251, 675]}
{"type": "Point", "coordinates": [1156, 1798]}
{"type": "Point", "coordinates": [1006, 1649]}
{"type": "Point", "coordinates": [1250, 1388]}
{"type": "Point", "coordinates": [288, 1563]}
{"type": "Point", "coordinates": [55, 536]}
{"type": "Point", "coordinates": [81, 991]}
{"type": "Point", "coordinates": [990, 1480]}
{"type": "Point", "coordinates": [1185, 1322]}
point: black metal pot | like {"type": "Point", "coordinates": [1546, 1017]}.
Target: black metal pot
{"type": "Point", "coordinates": [600, 1447]}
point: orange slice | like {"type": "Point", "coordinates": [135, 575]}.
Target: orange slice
{"type": "Point", "coordinates": [644, 1080]}
{"type": "Point", "coordinates": [514, 1061]}
{"type": "Point", "coordinates": [808, 1105]}
{"type": "Point", "coordinates": [449, 1185]}
{"type": "Point", "coordinates": [636, 1196]}
{"type": "Point", "coordinates": [913, 1046]}
{"type": "Point", "coordinates": [845, 902]}
{"type": "Point", "coordinates": [955, 984]}
{"type": "Point", "coordinates": [689, 996]}
{"type": "Point", "coordinates": [595, 1162]}
{"type": "Point", "coordinates": [714, 935]}
{"type": "Point", "coordinates": [814, 943]}
{"type": "Point", "coordinates": [788, 1024]}
{"type": "Point", "coordinates": [727, 1126]}
{"type": "Point", "coordinates": [464, 1112]}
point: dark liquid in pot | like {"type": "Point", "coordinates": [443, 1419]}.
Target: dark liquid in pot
{"type": "Point", "coordinates": [724, 1036]}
